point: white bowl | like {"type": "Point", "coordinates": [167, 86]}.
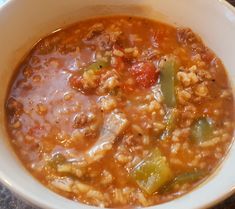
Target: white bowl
{"type": "Point", "coordinates": [23, 22]}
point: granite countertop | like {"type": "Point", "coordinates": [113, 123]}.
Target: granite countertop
{"type": "Point", "coordinates": [10, 201]}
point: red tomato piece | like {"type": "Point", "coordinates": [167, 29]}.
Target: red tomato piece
{"type": "Point", "coordinates": [145, 74]}
{"type": "Point", "coordinates": [76, 81]}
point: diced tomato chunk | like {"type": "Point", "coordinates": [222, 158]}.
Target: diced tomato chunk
{"type": "Point", "coordinates": [145, 74]}
{"type": "Point", "coordinates": [76, 81]}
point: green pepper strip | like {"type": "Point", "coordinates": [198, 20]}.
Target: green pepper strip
{"type": "Point", "coordinates": [168, 69]}
{"type": "Point", "coordinates": [202, 130]}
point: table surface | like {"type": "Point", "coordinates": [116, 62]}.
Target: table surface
{"type": "Point", "coordinates": [10, 201]}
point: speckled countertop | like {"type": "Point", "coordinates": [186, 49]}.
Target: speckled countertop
{"type": "Point", "coordinates": [10, 201]}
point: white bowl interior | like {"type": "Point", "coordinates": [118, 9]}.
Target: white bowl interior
{"type": "Point", "coordinates": [24, 22]}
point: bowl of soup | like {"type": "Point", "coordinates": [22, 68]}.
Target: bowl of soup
{"type": "Point", "coordinates": [112, 104]}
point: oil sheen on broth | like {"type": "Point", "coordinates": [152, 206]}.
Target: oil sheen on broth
{"type": "Point", "coordinates": [120, 112]}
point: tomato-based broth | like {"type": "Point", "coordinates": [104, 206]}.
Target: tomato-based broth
{"type": "Point", "coordinates": [120, 112]}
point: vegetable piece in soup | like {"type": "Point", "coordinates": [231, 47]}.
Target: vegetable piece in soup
{"type": "Point", "coordinates": [152, 173]}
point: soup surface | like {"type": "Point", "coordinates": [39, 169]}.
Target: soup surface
{"type": "Point", "coordinates": [120, 112]}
